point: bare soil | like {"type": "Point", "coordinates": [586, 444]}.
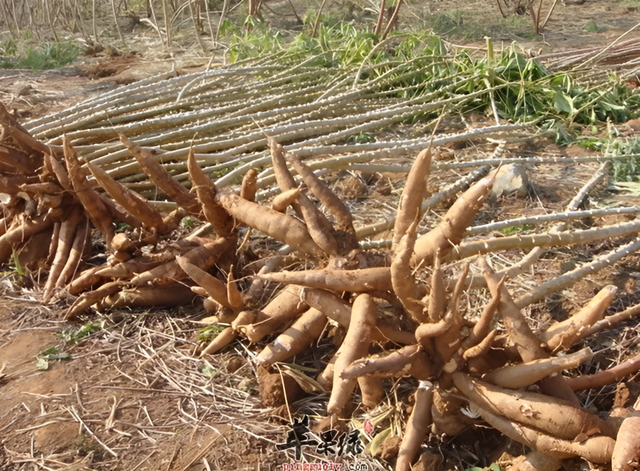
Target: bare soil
{"type": "Point", "coordinates": [133, 397]}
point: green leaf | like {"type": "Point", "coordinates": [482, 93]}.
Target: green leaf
{"type": "Point", "coordinates": [42, 364]}
{"type": "Point", "coordinates": [16, 262]}
{"type": "Point", "coordinates": [73, 336]}
{"type": "Point", "coordinates": [631, 187]}
{"type": "Point", "coordinates": [210, 332]}
{"type": "Point", "coordinates": [563, 102]}
{"type": "Point", "coordinates": [64, 356]}
{"type": "Point", "coordinates": [510, 230]}
{"type": "Point", "coordinates": [375, 447]}
{"type": "Point", "coordinates": [207, 369]}
{"type": "Point", "coordinates": [51, 353]}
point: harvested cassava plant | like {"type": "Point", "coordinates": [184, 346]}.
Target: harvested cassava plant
{"type": "Point", "coordinates": [361, 318]}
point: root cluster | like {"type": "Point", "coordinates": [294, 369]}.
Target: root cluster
{"type": "Point", "coordinates": [398, 312]}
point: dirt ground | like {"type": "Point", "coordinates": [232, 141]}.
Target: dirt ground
{"type": "Point", "coordinates": [132, 396]}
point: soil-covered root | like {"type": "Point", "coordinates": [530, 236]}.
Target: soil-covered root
{"type": "Point", "coordinates": [21, 136]}
{"type": "Point", "coordinates": [284, 307]}
{"type": "Point", "coordinates": [449, 232]}
{"type": "Point", "coordinates": [285, 199]}
{"type": "Point", "coordinates": [134, 204]}
{"type": "Point", "coordinates": [93, 204]}
{"type": "Point", "coordinates": [525, 374]}
{"type": "Point", "coordinates": [597, 449]}
{"type": "Point", "coordinates": [222, 223]}
{"type": "Point", "coordinates": [296, 339]}
{"type": "Point", "coordinates": [410, 360]}
{"type": "Point", "coordinates": [228, 335]}
{"type": "Point", "coordinates": [249, 185]}
{"type": "Point", "coordinates": [339, 311]}
{"type": "Point", "coordinates": [345, 234]}
{"type": "Point", "coordinates": [563, 335]}
{"type": "Point", "coordinates": [203, 257]}
{"type": "Point", "coordinates": [277, 225]}
{"type": "Point", "coordinates": [552, 416]}
{"type": "Point", "coordinates": [403, 281]}
{"type": "Point", "coordinates": [16, 236]}
{"type": "Point", "coordinates": [355, 345]}
{"type": "Point", "coordinates": [417, 426]}
{"type": "Point", "coordinates": [372, 391]}
{"type": "Point", "coordinates": [66, 238]}
{"type": "Point", "coordinates": [604, 377]}
{"type": "Point", "coordinates": [172, 294]}
{"type": "Point", "coordinates": [412, 195]}
{"type": "Point", "coordinates": [320, 229]}
{"type": "Point", "coordinates": [526, 342]}
{"type": "Point", "coordinates": [626, 453]}
{"type": "Point", "coordinates": [134, 266]}
{"type": "Point", "coordinates": [481, 336]}
{"type": "Point", "coordinates": [356, 281]}
{"type": "Point", "coordinates": [162, 178]}
{"type": "Point", "coordinates": [213, 287]}
{"type": "Point", "coordinates": [90, 298]}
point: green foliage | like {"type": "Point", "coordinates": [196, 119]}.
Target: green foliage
{"type": "Point", "coordinates": [189, 222]}
{"type": "Point", "coordinates": [208, 369]}
{"type": "Point", "coordinates": [446, 23]}
{"type": "Point", "coordinates": [15, 271]}
{"type": "Point", "coordinates": [624, 169]}
{"type": "Point", "coordinates": [8, 48]}
{"type": "Point", "coordinates": [87, 445]}
{"type": "Point", "coordinates": [255, 40]}
{"type": "Point", "coordinates": [531, 93]}
{"type": "Point", "coordinates": [49, 56]}
{"type": "Point", "coordinates": [419, 63]}
{"type": "Point", "coordinates": [137, 5]}
{"type": "Point", "coordinates": [50, 354]}
{"type": "Point", "coordinates": [511, 230]}
{"type": "Point", "coordinates": [73, 335]}
{"type": "Point", "coordinates": [209, 332]}
{"type": "Point", "coordinates": [493, 467]}
{"type": "Point", "coordinates": [592, 27]}
{"type": "Point", "coordinates": [15, 261]}
{"type": "Point", "coordinates": [626, 152]}
{"type": "Point", "coordinates": [8, 51]}
{"type": "Point", "coordinates": [414, 65]}
{"type": "Point", "coordinates": [362, 138]}
{"type": "Point", "coordinates": [458, 24]}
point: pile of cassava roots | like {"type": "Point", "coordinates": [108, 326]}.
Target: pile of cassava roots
{"type": "Point", "coordinates": [103, 247]}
